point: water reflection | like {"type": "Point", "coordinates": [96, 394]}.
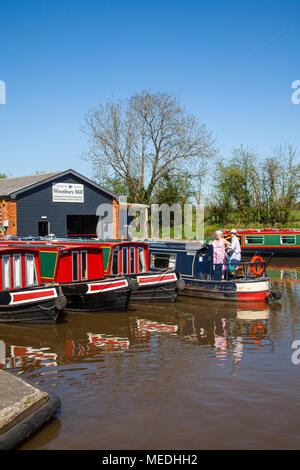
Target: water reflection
{"type": "Point", "coordinates": [229, 331]}
{"type": "Point", "coordinates": [34, 347]}
{"type": "Point", "coordinates": [223, 327]}
{"type": "Point", "coordinates": [183, 363]}
{"type": "Point", "coordinates": [285, 270]}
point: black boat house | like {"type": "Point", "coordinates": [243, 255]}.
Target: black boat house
{"type": "Point", "coordinates": [64, 203]}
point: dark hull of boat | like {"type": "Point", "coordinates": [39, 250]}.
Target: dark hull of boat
{"type": "Point", "coordinates": [31, 305]}
{"type": "Point", "coordinates": [242, 290]}
{"type": "Point", "coordinates": [166, 293]}
{"type": "Point", "coordinates": [101, 295]}
{"type": "Point", "coordinates": [102, 302]}
{"type": "Point", "coordinates": [277, 251]}
{"type": "Point", "coordinates": [155, 287]}
{"type": "Point", "coordinates": [42, 312]}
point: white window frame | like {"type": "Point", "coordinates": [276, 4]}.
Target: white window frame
{"type": "Point", "coordinates": [142, 260]}
{"type": "Point", "coordinates": [254, 243]}
{"type": "Point", "coordinates": [29, 256]}
{"type": "Point", "coordinates": [125, 249]}
{"type": "Point", "coordinates": [7, 285]}
{"type": "Point", "coordinates": [288, 236]}
{"type": "Point", "coordinates": [174, 257]}
{"type": "Point", "coordinates": [15, 257]}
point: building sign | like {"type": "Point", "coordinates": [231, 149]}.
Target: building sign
{"type": "Point", "coordinates": [67, 192]}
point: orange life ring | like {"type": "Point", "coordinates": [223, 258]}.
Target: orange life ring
{"type": "Point", "coordinates": [257, 272]}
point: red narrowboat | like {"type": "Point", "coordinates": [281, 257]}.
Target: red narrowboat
{"type": "Point", "coordinates": [23, 296]}
{"type": "Point", "coordinates": [132, 259]}
{"type": "Point", "coordinates": [78, 269]}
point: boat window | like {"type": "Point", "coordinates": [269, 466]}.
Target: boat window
{"type": "Point", "coordinates": [115, 262]}
{"type": "Point", "coordinates": [6, 271]}
{"type": "Point", "coordinates": [163, 260]}
{"type": "Point", "coordinates": [17, 271]}
{"type": "Point", "coordinates": [84, 274]}
{"type": "Point", "coordinates": [142, 261]}
{"type": "Point", "coordinates": [31, 277]}
{"type": "Point", "coordinates": [132, 260]}
{"type": "Point", "coordinates": [254, 240]}
{"type": "Point", "coordinates": [125, 269]}
{"type": "Point", "coordinates": [288, 239]}
{"type": "Point", "coordinates": [75, 266]}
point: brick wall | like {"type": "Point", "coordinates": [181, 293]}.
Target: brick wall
{"type": "Point", "coordinates": [8, 211]}
{"type": "Point", "coordinates": [116, 233]}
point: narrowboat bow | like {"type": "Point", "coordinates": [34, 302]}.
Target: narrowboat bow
{"type": "Point", "coordinates": [78, 269]}
{"type": "Point", "coordinates": [23, 297]}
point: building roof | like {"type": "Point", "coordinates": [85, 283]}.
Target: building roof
{"type": "Point", "coordinates": [12, 187]}
{"type": "Point", "coordinates": [9, 185]}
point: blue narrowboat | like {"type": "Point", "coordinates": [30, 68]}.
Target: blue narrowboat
{"type": "Point", "coordinates": [203, 278]}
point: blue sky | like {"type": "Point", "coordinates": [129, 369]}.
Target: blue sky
{"type": "Point", "coordinates": [231, 63]}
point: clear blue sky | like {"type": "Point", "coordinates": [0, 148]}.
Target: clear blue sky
{"type": "Point", "coordinates": [231, 63]}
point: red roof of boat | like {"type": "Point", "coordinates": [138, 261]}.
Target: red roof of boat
{"type": "Point", "coordinates": [5, 248]}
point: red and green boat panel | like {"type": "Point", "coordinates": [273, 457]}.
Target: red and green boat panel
{"type": "Point", "coordinates": [283, 242]}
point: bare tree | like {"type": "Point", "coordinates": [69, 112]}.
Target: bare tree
{"type": "Point", "coordinates": [137, 141]}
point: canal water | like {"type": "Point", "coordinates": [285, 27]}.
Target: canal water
{"type": "Point", "coordinates": [194, 374]}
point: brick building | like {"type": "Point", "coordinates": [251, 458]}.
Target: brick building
{"type": "Point", "coordinates": [65, 203]}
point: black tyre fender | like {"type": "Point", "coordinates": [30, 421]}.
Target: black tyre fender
{"type": "Point", "coordinates": [275, 294]}
{"type": "Point", "coordinates": [132, 283]}
{"type": "Point", "coordinates": [61, 302]}
{"type": "Point", "coordinates": [180, 285]}
{"type": "Point", "coordinates": [30, 425]}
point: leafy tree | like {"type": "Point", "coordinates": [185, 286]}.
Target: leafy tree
{"type": "Point", "coordinates": [173, 189]}
{"type": "Point", "coordinates": [256, 191]}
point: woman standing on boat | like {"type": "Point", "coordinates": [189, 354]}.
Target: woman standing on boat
{"type": "Point", "coordinates": [219, 247]}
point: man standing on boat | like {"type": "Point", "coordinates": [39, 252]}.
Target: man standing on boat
{"type": "Point", "coordinates": [234, 250]}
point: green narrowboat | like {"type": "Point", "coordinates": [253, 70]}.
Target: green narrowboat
{"type": "Point", "coordinates": [284, 242]}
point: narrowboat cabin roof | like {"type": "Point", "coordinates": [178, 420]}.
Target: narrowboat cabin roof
{"type": "Point", "coordinates": [65, 263]}
{"type": "Point", "coordinates": [122, 243]}
{"type": "Point", "coordinates": [18, 248]}
{"type": "Point", "coordinates": [184, 245]}
{"type": "Point", "coordinates": [54, 246]}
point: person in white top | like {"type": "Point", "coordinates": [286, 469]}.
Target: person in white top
{"type": "Point", "coordinates": [234, 250]}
